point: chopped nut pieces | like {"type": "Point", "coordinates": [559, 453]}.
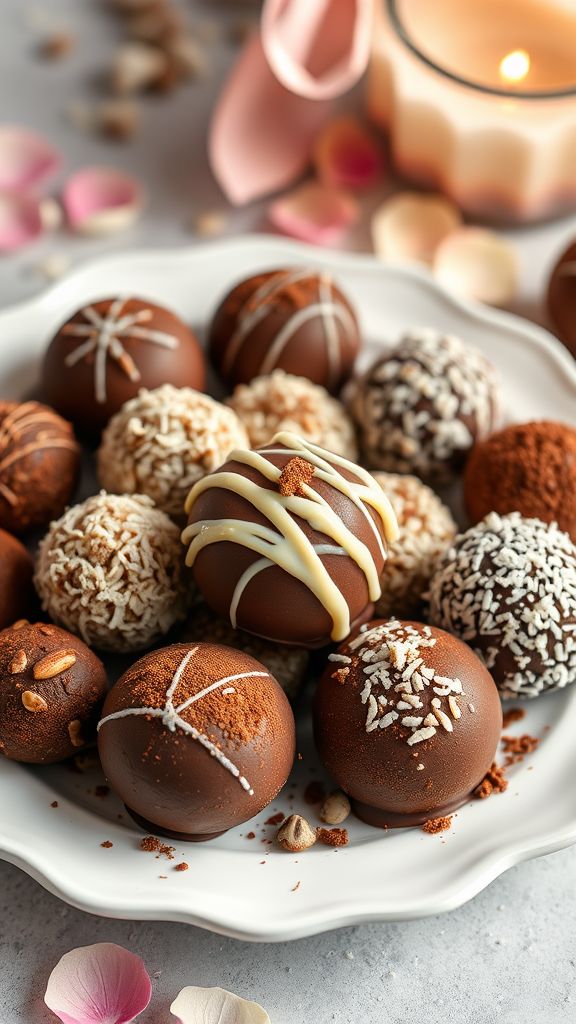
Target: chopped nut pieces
{"type": "Point", "coordinates": [332, 836]}
{"type": "Point", "coordinates": [33, 701]}
{"type": "Point", "coordinates": [436, 825]}
{"type": "Point", "coordinates": [296, 835]}
{"type": "Point", "coordinates": [335, 809]}
{"type": "Point", "coordinates": [153, 845]}
{"type": "Point", "coordinates": [75, 733]}
{"type": "Point", "coordinates": [20, 624]}
{"type": "Point", "coordinates": [18, 663]}
{"type": "Point", "coordinates": [294, 477]}
{"type": "Point", "coordinates": [54, 664]}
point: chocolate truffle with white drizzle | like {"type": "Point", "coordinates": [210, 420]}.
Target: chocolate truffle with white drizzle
{"type": "Point", "coordinates": [195, 739]}
{"type": "Point", "coordinates": [108, 350]}
{"type": "Point", "coordinates": [296, 320]}
{"type": "Point", "coordinates": [289, 541]}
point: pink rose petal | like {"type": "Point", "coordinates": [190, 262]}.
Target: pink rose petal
{"type": "Point", "coordinates": [216, 1006]}
{"type": "Point", "coordinates": [25, 158]}
{"type": "Point", "coordinates": [101, 200]}
{"type": "Point", "coordinates": [346, 155]}
{"type": "Point", "coordinates": [315, 213]}
{"type": "Point", "coordinates": [20, 220]}
{"type": "Point", "coordinates": [100, 984]}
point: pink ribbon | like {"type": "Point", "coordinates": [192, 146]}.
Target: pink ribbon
{"type": "Point", "coordinates": [279, 95]}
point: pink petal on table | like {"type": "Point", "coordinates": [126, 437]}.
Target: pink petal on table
{"type": "Point", "coordinates": [20, 220]}
{"type": "Point", "coordinates": [25, 158]}
{"type": "Point", "coordinates": [347, 155]}
{"type": "Point", "coordinates": [101, 200]}
{"type": "Point", "coordinates": [317, 49]}
{"type": "Point", "coordinates": [315, 213]}
{"type": "Point", "coordinates": [100, 984]}
{"type": "Point", "coordinates": [262, 135]}
{"type": "Point", "coordinates": [216, 1006]}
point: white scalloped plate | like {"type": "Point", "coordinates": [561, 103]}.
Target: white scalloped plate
{"type": "Point", "coordinates": [402, 874]}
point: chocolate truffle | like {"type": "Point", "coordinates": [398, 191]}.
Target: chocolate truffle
{"type": "Point", "coordinates": [289, 542]}
{"type": "Point", "coordinates": [51, 690]}
{"type": "Point", "coordinates": [562, 298]}
{"type": "Point", "coordinates": [294, 320]}
{"type": "Point", "coordinates": [196, 739]}
{"type": "Point", "coordinates": [39, 463]}
{"type": "Point", "coordinates": [421, 407]}
{"type": "Point", "coordinates": [284, 402]}
{"type": "Point", "coordinates": [111, 569]}
{"type": "Point", "coordinates": [426, 528]}
{"type": "Point", "coordinates": [508, 588]}
{"type": "Point", "coordinates": [108, 350]}
{"type": "Point", "coordinates": [16, 590]}
{"type": "Point", "coordinates": [407, 720]}
{"type": "Point", "coordinates": [528, 468]}
{"type": "Point", "coordinates": [163, 441]}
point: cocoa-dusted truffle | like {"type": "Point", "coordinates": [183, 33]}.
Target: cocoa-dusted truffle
{"type": "Point", "coordinates": [16, 590]}
{"type": "Point", "coordinates": [161, 442]}
{"type": "Point", "coordinates": [196, 739]}
{"type": "Point", "coordinates": [289, 542]}
{"type": "Point", "coordinates": [294, 320]}
{"type": "Point", "coordinates": [108, 350]}
{"type": "Point", "coordinates": [111, 569]}
{"type": "Point", "coordinates": [407, 720]}
{"type": "Point", "coordinates": [421, 407]}
{"type": "Point", "coordinates": [425, 529]}
{"type": "Point", "coordinates": [562, 298]}
{"type": "Point", "coordinates": [39, 462]}
{"type": "Point", "coordinates": [508, 588]}
{"type": "Point", "coordinates": [528, 468]}
{"type": "Point", "coordinates": [51, 690]}
{"type": "Point", "coordinates": [284, 402]}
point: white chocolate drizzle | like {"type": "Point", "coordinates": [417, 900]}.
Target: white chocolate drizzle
{"type": "Point", "coordinates": [171, 715]}
{"type": "Point", "coordinates": [283, 543]}
{"type": "Point", "coordinates": [29, 416]}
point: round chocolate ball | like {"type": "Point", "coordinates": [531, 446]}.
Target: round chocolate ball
{"type": "Point", "coordinates": [51, 690]}
{"type": "Point", "coordinates": [407, 720]}
{"type": "Point", "coordinates": [528, 468]}
{"type": "Point", "coordinates": [39, 464]}
{"type": "Point", "coordinates": [562, 298]}
{"type": "Point", "coordinates": [508, 588]}
{"type": "Point", "coordinates": [288, 542]}
{"type": "Point", "coordinates": [195, 739]}
{"type": "Point", "coordinates": [16, 590]}
{"type": "Point", "coordinates": [294, 320]}
{"type": "Point", "coordinates": [106, 352]}
{"type": "Point", "coordinates": [421, 406]}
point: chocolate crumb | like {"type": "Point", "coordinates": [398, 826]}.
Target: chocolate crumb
{"type": "Point", "coordinates": [251, 835]}
{"type": "Point", "coordinates": [493, 782]}
{"type": "Point", "coordinates": [294, 477]}
{"type": "Point", "coordinates": [153, 845]}
{"type": "Point", "coordinates": [107, 844]}
{"type": "Point", "coordinates": [512, 715]}
{"type": "Point", "coordinates": [516, 747]}
{"type": "Point", "coordinates": [183, 866]}
{"type": "Point", "coordinates": [332, 836]}
{"type": "Point", "coordinates": [276, 819]}
{"type": "Point", "coordinates": [436, 825]}
{"type": "Point", "coordinates": [54, 803]}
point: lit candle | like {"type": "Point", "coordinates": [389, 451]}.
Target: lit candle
{"type": "Point", "coordinates": [479, 97]}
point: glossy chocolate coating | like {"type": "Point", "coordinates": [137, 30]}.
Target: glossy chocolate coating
{"type": "Point", "coordinates": [379, 769]}
{"type": "Point", "coordinates": [307, 350]}
{"type": "Point", "coordinates": [562, 298]}
{"type": "Point", "coordinates": [133, 362]}
{"type": "Point", "coordinates": [168, 780]}
{"type": "Point", "coordinates": [68, 702]}
{"type": "Point", "coordinates": [16, 589]}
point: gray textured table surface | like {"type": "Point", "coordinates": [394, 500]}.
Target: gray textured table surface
{"type": "Point", "coordinates": [509, 956]}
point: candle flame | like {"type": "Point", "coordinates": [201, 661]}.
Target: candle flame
{"type": "Point", "coordinates": [515, 66]}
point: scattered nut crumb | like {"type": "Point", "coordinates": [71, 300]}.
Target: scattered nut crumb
{"type": "Point", "coordinates": [493, 782]}
{"type": "Point", "coordinates": [512, 715]}
{"type": "Point", "coordinates": [276, 819]}
{"type": "Point", "coordinates": [54, 803]}
{"type": "Point", "coordinates": [183, 866]}
{"type": "Point", "coordinates": [107, 844]}
{"type": "Point", "coordinates": [250, 835]}
{"type": "Point", "coordinates": [436, 825]}
{"type": "Point", "coordinates": [332, 836]}
{"type": "Point", "coordinates": [153, 845]}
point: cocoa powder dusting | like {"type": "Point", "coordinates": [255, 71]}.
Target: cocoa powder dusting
{"type": "Point", "coordinates": [153, 845]}
{"type": "Point", "coordinates": [436, 825]}
{"type": "Point", "coordinates": [295, 475]}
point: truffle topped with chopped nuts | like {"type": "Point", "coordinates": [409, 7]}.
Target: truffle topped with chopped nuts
{"type": "Point", "coordinates": [51, 690]}
{"type": "Point", "coordinates": [407, 720]}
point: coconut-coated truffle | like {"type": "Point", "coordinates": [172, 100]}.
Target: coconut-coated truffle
{"type": "Point", "coordinates": [507, 587]}
{"type": "Point", "coordinates": [422, 405]}
{"type": "Point", "coordinates": [111, 570]}
{"type": "Point", "coordinates": [39, 464]}
{"type": "Point", "coordinates": [282, 401]}
{"type": "Point", "coordinates": [51, 691]}
{"type": "Point", "coordinates": [195, 739]}
{"type": "Point", "coordinates": [425, 529]}
{"type": "Point", "coordinates": [528, 468]}
{"type": "Point", "coordinates": [163, 441]}
{"type": "Point", "coordinates": [407, 720]}
{"type": "Point", "coordinates": [17, 595]}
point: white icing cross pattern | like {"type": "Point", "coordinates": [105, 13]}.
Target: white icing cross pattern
{"type": "Point", "coordinates": [171, 715]}
{"type": "Point", "coordinates": [104, 335]}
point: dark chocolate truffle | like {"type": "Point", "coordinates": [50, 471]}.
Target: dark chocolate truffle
{"type": "Point", "coordinates": [51, 690]}
{"type": "Point", "coordinates": [39, 463]}
{"type": "Point", "coordinates": [562, 298]}
{"type": "Point", "coordinates": [508, 588]}
{"type": "Point", "coordinates": [407, 720]}
{"type": "Point", "coordinates": [16, 590]}
{"type": "Point", "coordinates": [289, 542]}
{"type": "Point", "coordinates": [108, 350]}
{"type": "Point", "coordinates": [528, 468]}
{"type": "Point", "coordinates": [294, 320]}
{"type": "Point", "coordinates": [196, 739]}
{"type": "Point", "coordinates": [421, 407]}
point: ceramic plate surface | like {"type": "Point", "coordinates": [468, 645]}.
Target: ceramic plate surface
{"type": "Point", "coordinates": [248, 888]}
